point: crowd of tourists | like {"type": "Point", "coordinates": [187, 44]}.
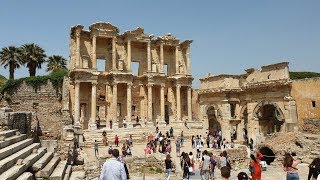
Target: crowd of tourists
{"type": "Point", "coordinates": [158, 142]}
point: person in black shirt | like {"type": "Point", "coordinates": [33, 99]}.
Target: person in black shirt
{"type": "Point", "coordinates": [168, 163]}
{"type": "Point", "coordinates": [314, 169]}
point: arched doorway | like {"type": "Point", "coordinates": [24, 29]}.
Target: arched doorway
{"type": "Point", "coordinates": [212, 120]}
{"type": "Point", "coordinates": [270, 118]}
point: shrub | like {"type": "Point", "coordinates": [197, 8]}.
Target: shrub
{"type": "Point", "coordinates": [303, 75]}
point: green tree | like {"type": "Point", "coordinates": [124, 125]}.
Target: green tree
{"type": "Point", "coordinates": [10, 56]}
{"type": "Point", "coordinates": [56, 63]}
{"type": "Point", "coordinates": [34, 56]}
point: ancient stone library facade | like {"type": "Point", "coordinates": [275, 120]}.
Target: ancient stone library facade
{"type": "Point", "coordinates": [159, 91]}
{"type": "Point", "coordinates": [251, 105]}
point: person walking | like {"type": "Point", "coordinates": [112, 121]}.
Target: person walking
{"type": "Point", "coordinates": [181, 138]}
{"type": "Point", "coordinates": [116, 140]}
{"type": "Point", "coordinates": [96, 149]}
{"type": "Point", "coordinates": [186, 164]}
{"type": "Point", "coordinates": [113, 169]}
{"type": "Point", "coordinates": [255, 168]}
{"type": "Point", "coordinates": [178, 146]}
{"type": "Point", "coordinates": [314, 169]}
{"type": "Point", "coordinates": [168, 164]}
{"type": "Point", "coordinates": [192, 162]}
{"type": "Point", "coordinates": [205, 166]}
{"type": "Point", "coordinates": [290, 166]}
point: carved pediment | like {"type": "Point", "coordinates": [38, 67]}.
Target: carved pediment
{"type": "Point", "coordinates": [137, 34]}
{"type": "Point", "coordinates": [169, 39]}
{"type": "Point", "coordinates": [102, 26]}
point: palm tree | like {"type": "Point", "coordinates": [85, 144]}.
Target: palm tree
{"type": "Point", "coordinates": [10, 56]}
{"type": "Point", "coordinates": [34, 56]}
{"type": "Point", "coordinates": [56, 62]}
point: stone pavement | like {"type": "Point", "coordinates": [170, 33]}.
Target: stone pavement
{"type": "Point", "coordinates": [274, 172]}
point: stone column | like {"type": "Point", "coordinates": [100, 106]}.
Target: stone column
{"type": "Point", "coordinates": [114, 101]}
{"type": "Point", "coordinates": [178, 103]}
{"type": "Point", "coordinates": [162, 102]}
{"type": "Point", "coordinates": [129, 55]}
{"type": "Point", "coordinates": [188, 60]}
{"type": "Point", "coordinates": [114, 54]}
{"type": "Point", "coordinates": [149, 102]}
{"type": "Point", "coordinates": [161, 58]}
{"type": "Point", "coordinates": [177, 59]}
{"type": "Point", "coordinates": [129, 103]}
{"type": "Point", "coordinates": [149, 56]}
{"type": "Point", "coordinates": [78, 49]}
{"type": "Point", "coordinates": [93, 106]}
{"type": "Point", "coordinates": [189, 104]}
{"type": "Point", "coordinates": [77, 103]}
{"type": "Point", "coordinates": [94, 55]}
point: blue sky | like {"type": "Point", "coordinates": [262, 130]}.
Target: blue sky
{"type": "Point", "coordinates": [229, 36]}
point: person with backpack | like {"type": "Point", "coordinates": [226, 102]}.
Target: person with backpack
{"type": "Point", "coordinates": [314, 169]}
{"type": "Point", "coordinates": [192, 163]}
{"type": "Point", "coordinates": [213, 165]}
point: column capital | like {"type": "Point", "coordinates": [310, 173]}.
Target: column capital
{"type": "Point", "coordinates": [163, 85]}
{"type": "Point", "coordinates": [77, 82]}
{"type": "Point", "coordinates": [149, 85]}
{"type": "Point", "coordinates": [178, 86]}
{"type": "Point", "coordinates": [129, 85]}
{"type": "Point", "coordinates": [149, 43]}
{"type": "Point", "coordinates": [94, 83]}
{"type": "Point", "coordinates": [114, 83]}
{"type": "Point", "coordinates": [129, 42]}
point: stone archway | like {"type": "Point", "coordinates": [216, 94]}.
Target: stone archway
{"type": "Point", "coordinates": [269, 116]}
{"type": "Point", "coordinates": [213, 123]}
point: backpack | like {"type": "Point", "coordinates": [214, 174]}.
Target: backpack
{"type": "Point", "coordinates": [213, 162]}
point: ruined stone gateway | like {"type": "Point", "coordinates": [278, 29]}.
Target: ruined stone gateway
{"type": "Point", "coordinates": [252, 105]}
{"type": "Point", "coordinates": [160, 91]}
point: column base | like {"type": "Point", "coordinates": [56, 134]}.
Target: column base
{"type": "Point", "coordinates": [93, 126]}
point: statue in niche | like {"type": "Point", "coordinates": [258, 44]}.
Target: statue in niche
{"type": "Point", "coordinates": [181, 68]}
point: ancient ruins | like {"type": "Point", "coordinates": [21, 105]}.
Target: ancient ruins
{"type": "Point", "coordinates": [252, 105]}
{"type": "Point", "coordinates": [159, 92]}
{"type": "Point", "coordinates": [140, 82]}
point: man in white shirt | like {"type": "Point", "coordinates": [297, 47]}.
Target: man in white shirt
{"type": "Point", "coordinates": [113, 169]}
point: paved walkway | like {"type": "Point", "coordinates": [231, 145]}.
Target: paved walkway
{"type": "Point", "coordinates": [274, 172]}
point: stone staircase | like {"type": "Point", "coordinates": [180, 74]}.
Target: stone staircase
{"type": "Point", "coordinates": [22, 159]}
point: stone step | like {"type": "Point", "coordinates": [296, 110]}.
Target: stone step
{"type": "Point", "coordinates": [35, 156]}
{"type": "Point", "coordinates": [11, 160]}
{"type": "Point", "coordinates": [22, 165]}
{"type": "Point", "coordinates": [44, 160]}
{"type": "Point", "coordinates": [25, 176]}
{"type": "Point", "coordinates": [8, 133]}
{"type": "Point", "coordinates": [14, 172]}
{"type": "Point", "coordinates": [68, 173]}
{"type": "Point", "coordinates": [48, 169]}
{"type": "Point", "coordinates": [76, 175]}
{"type": "Point", "coordinates": [11, 140]}
{"type": "Point", "coordinates": [7, 151]}
{"type": "Point", "coordinates": [59, 171]}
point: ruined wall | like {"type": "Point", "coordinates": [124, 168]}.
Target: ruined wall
{"type": "Point", "coordinates": [45, 103]}
{"type": "Point", "coordinates": [15, 120]}
{"type": "Point", "coordinates": [306, 92]}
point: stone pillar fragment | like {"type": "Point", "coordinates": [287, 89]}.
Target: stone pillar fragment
{"type": "Point", "coordinates": [77, 103]}
{"type": "Point", "coordinates": [149, 102]}
{"type": "Point", "coordinates": [114, 102]}
{"type": "Point", "coordinates": [188, 60]}
{"type": "Point", "coordinates": [129, 103]}
{"type": "Point", "coordinates": [162, 102]}
{"type": "Point", "coordinates": [189, 104]}
{"type": "Point", "coordinates": [78, 48]}
{"type": "Point", "coordinates": [93, 106]}
{"type": "Point", "coordinates": [177, 59]}
{"type": "Point", "coordinates": [161, 58]}
{"type": "Point", "coordinates": [129, 55]}
{"type": "Point", "coordinates": [94, 54]}
{"type": "Point", "coordinates": [178, 103]}
{"type": "Point", "coordinates": [149, 56]}
{"type": "Point", "coordinates": [114, 54]}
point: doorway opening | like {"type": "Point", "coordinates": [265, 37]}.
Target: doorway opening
{"type": "Point", "coordinates": [166, 114]}
{"type": "Point", "coordinates": [214, 125]}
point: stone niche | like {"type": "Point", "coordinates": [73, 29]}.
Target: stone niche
{"type": "Point", "coordinates": [15, 120]}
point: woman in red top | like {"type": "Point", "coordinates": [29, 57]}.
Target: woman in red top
{"type": "Point", "coordinates": [255, 168]}
{"type": "Point", "coordinates": [116, 141]}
